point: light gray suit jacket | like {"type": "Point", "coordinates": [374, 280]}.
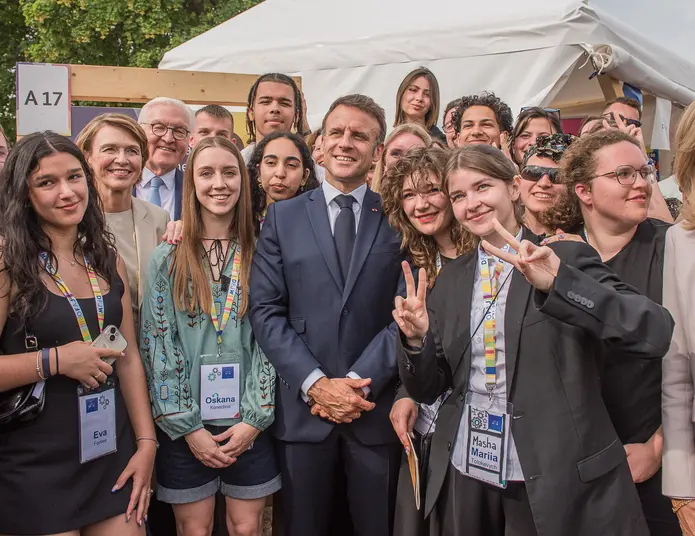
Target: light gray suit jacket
{"type": "Point", "coordinates": [679, 366]}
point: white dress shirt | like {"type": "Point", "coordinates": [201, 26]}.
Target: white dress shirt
{"type": "Point", "coordinates": [330, 192]}
{"type": "Point", "coordinates": [476, 386]}
{"type": "Point", "coordinates": [167, 192]}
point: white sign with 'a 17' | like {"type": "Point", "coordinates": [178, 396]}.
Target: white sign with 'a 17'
{"type": "Point", "coordinates": [43, 98]}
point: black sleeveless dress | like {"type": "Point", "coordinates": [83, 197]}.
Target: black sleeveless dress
{"type": "Point", "coordinates": [43, 487]}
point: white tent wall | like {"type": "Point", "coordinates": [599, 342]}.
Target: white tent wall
{"type": "Point", "coordinates": [527, 52]}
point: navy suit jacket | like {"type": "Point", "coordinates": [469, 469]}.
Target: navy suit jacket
{"type": "Point", "coordinates": [305, 317]}
{"type": "Point", "coordinates": [178, 193]}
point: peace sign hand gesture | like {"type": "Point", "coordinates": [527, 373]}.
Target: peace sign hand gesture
{"type": "Point", "coordinates": [538, 264]}
{"type": "Point", "coordinates": [411, 312]}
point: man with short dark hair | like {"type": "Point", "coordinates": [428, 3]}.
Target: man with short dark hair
{"type": "Point", "coordinates": [212, 120]}
{"type": "Point", "coordinates": [629, 110]}
{"type": "Point", "coordinates": [325, 275]}
{"type": "Point", "coordinates": [482, 118]}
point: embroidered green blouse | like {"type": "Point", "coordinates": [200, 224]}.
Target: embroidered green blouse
{"type": "Point", "coordinates": [171, 343]}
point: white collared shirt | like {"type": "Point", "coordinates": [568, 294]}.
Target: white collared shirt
{"type": "Point", "coordinates": [330, 192]}
{"type": "Point", "coordinates": [167, 192]}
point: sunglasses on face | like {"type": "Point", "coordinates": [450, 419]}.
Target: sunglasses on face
{"type": "Point", "coordinates": [536, 173]}
{"type": "Point", "coordinates": [551, 111]}
{"type": "Point", "coordinates": [626, 120]}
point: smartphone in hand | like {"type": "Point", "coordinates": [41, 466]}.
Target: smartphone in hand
{"type": "Point", "coordinates": [110, 338]}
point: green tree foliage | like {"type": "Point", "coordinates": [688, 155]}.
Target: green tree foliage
{"type": "Point", "coordinates": [132, 33]}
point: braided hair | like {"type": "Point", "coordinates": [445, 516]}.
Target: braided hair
{"type": "Point", "coordinates": [280, 79]}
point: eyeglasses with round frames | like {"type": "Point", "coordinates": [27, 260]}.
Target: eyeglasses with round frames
{"type": "Point", "coordinates": [627, 175]}
{"type": "Point", "coordinates": [160, 130]}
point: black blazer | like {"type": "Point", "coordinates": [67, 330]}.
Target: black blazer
{"type": "Point", "coordinates": [305, 316]}
{"type": "Point", "coordinates": [576, 472]}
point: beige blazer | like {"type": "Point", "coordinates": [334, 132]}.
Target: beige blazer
{"type": "Point", "coordinates": [150, 223]}
{"type": "Point", "coordinates": [679, 366]}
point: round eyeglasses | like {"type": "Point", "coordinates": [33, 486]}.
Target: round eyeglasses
{"type": "Point", "coordinates": [160, 130]}
{"type": "Point", "coordinates": [627, 175]}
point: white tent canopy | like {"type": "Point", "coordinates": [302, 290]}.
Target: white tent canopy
{"type": "Point", "coordinates": [526, 52]}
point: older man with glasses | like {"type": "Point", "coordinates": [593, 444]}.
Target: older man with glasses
{"type": "Point", "coordinates": [168, 124]}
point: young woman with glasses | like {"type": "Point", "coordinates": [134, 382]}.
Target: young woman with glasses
{"type": "Point", "coordinates": [608, 185]}
{"type": "Point", "coordinates": [532, 123]}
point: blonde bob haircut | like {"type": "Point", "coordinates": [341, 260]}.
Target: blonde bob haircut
{"type": "Point", "coordinates": [191, 285]}
{"type": "Point", "coordinates": [433, 113]}
{"type": "Point", "coordinates": [122, 122]}
{"type": "Point", "coordinates": [412, 128]}
{"type": "Point", "coordinates": [684, 167]}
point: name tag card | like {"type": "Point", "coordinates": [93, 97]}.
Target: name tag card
{"type": "Point", "coordinates": [220, 390]}
{"type": "Point", "coordinates": [487, 444]}
{"type": "Point", "coordinates": [97, 422]}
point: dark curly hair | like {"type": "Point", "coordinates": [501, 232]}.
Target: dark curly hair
{"type": "Point", "coordinates": [503, 113]}
{"type": "Point", "coordinates": [258, 202]}
{"type": "Point", "coordinates": [578, 166]}
{"type": "Point", "coordinates": [415, 166]}
{"type": "Point", "coordinates": [23, 235]}
{"type": "Point", "coordinates": [280, 79]}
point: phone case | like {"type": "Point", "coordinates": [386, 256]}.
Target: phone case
{"type": "Point", "coordinates": [110, 338]}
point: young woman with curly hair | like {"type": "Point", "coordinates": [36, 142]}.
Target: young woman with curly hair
{"type": "Point", "coordinates": [419, 209]}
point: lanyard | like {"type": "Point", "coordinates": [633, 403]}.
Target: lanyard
{"type": "Point", "coordinates": [489, 287]}
{"type": "Point", "coordinates": [221, 323]}
{"type": "Point", "coordinates": [93, 281]}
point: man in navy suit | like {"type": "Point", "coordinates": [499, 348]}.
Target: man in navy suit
{"type": "Point", "coordinates": [168, 124]}
{"type": "Point", "coordinates": [323, 282]}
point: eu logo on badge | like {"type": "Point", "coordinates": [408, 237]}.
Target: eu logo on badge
{"type": "Point", "coordinates": [92, 405]}
{"type": "Point", "coordinates": [494, 423]}
{"type": "Point", "coordinates": [227, 373]}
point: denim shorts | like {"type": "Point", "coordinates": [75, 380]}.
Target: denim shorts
{"type": "Point", "coordinates": [183, 479]}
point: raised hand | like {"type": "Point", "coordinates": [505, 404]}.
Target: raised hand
{"type": "Point", "coordinates": [411, 312]}
{"type": "Point", "coordinates": [538, 264]}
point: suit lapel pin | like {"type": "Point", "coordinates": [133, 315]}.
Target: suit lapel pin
{"type": "Point", "coordinates": [374, 210]}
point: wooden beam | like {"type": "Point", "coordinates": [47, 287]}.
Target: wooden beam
{"type": "Point", "coordinates": [132, 84]}
{"type": "Point", "coordinates": [610, 87]}
{"type": "Point", "coordinates": [569, 107]}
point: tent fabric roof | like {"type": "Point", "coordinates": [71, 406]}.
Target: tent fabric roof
{"type": "Point", "coordinates": [524, 51]}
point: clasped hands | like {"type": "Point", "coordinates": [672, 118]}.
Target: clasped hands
{"type": "Point", "coordinates": [340, 400]}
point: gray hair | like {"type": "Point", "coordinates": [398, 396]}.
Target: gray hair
{"type": "Point", "coordinates": [159, 101]}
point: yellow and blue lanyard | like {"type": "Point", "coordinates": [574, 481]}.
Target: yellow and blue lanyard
{"type": "Point", "coordinates": [93, 281]}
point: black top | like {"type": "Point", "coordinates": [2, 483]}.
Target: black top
{"type": "Point", "coordinates": [44, 455]}
{"type": "Point", "coordinates": [632, 386]}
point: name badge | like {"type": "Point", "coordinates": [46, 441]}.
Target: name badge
{"type": "Point", "coordinates": [487, 443]}
{"type": "Point", "coordinates": [97, 421]}
{"type": "Point", "coordinates": [219, 391]}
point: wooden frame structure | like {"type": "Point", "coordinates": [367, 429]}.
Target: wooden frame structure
{"type": "Point", "coordinates": [139, 85]}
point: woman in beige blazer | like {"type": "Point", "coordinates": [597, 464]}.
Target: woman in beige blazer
{"type": "Point", "coordinates": [116, 148]}
{"type": "Point", "coordinates": [679, 364]}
